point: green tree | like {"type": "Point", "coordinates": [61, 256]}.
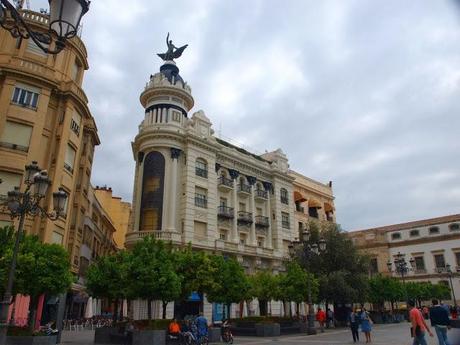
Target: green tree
{"type": "Point", "coordinates": [42, 269]}
{"type": "Point", "coordinates": [152, 274]}
{"type": "Point", "coordinates": [264, 287]}
{"type": "Point", "coordinates": [6, 249]}
{"type": "Point", "coordinates": [385, 289]}
{"type": "Point", "coordinates": [108, 278]}
{"type": "Point", "coordinates": [293, 285]}
{"type": "Point", "coordinates": [231, 284]}
{"type": "Point", "coordinates": [440, 291]}
{"type": "Point", "coordinates": [197, 270]}
{"type": "Point", "coordinates": [341, 270]}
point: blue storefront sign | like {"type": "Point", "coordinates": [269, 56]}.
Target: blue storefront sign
{"type": "Point", "coordinates": [217, 312]}
{"type": "Point", "coordinates": [194, 297]}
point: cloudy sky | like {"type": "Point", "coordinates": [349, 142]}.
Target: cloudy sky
{"type": "Point", "coordinates": [363, 93]}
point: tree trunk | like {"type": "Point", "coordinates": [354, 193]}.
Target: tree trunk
{"type": "Point", "coordinates": [115, 311]}
{"type": "Point", "coordinates": [229, 309]}
{"type": "Point", "coordinates": [263, 308]}
{"type": "Point", "coordinates": [149, 309]}
{"type": "Point", "coordinates": [165, 304]}
{"type": "Point", "coordinates": [32, 312]}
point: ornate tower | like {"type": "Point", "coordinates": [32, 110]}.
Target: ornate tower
{"type": "Point", "coordinates": [158, 152]}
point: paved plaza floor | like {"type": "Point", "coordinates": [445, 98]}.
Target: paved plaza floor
{"type": "Point", "coordinates": [393, 334]}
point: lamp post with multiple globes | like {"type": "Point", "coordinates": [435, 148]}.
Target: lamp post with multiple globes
{"type": "Point", "coordinates": [19, 205]}
{"type": "Point", "coordinates": [401, 268]}
{"type": "Point", "coordinates": [306, 251]}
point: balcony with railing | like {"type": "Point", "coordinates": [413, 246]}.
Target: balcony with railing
{"type": "Point", "coordinates": [420, 271]}
{"type": "Point", "coordinates": [260, 194]}
{"type": "Point", "coordinates": [225, 212]}
{"type": "Point", "coordinates": [224, 183]}
{"type": "Point", "coordinates": [244, 217]}
{"type": "Point", "coordinates": [133, 237]}
{"type": "Point", "coordinates": [244, 189]}
{"type": "Point", "coordinates": [68, 168]}
{"type": "Point", "coordinates": [262, 221]}
{"type": "Point", "coordinates": [201, 201]}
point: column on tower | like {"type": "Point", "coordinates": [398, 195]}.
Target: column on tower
{"type": "Point", "coordinates": [234, 175]}
{"type": "Point", "coordinates": [138, 188]}
{"type": "Point", "coordinates": [268, 187]}
{"type": "Point", "coordinates": [252, 234]}
{"type": "Point", "coordinates": [175, 153]}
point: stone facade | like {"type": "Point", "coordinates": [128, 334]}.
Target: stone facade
{"type": "Point", "coordinates": [193, 187]}
{"type": "Point", "coordinates": [433, 243]}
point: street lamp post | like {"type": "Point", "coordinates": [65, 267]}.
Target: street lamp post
{"type": "Point", "coordinates": [64, 20]}
{"type": "Point", "coordinates": [19, 205]}
{"type": "Point", "coordinates": [450, 273]}
{"type": "Point", "coordinates": [308, 250]}
{"type": "Point", "coordinates": [401, 268]}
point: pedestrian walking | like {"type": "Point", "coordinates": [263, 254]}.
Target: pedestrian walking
{"type": "Point", "coordinates": [321, 318]}
{"type": "Point", "coordinates": [418, 325]}
{"type": "Point", "coordinates": [366, 324]}
{"type": "Point", "coordinates": [440, 321]}
{"type": "Point", "coordinates": [353, 321]}
{"type": "Point", "coordinates": [330, 318]}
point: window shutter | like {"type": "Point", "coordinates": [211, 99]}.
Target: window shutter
{"type": "Point", "coordinates": [70, 156]}
{"type": "Point", "coordinates": [9, 181]}
{"type": "Point", "coordinates": [17, 134]}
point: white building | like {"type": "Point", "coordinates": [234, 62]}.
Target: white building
{"type": "Point", "coordinates": [192, 187]}
{"type": "Point", "coordinates": [433, 244]}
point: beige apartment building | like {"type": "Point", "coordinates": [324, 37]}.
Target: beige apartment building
{"type": "Point", "coordinates": [433, 244]}
{"type": "Point", "coordinates": [118, 210]}
{"type": "Point", "coordinates": [44, 117]}
{"type": "Point", "coordinates": [193, 187]}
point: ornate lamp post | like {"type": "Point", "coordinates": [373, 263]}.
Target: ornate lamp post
{"type": "Point", "coordinates": [448, 270]}
{"type": "Point", "coordinates": [64, 20]}
{"type": "Point", "coordinates": [19, 205]}
{"type": "Point", "coordinates": [307, 250]}
{"type": "Point", "coordinates": [401, 268]}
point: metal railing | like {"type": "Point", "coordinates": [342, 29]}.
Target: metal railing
{"type": "Point", "coordinates": [244, 217]}
{"type": "Point", "coordinates": [223, 181]}
{"type": "Point", "coordinates": [200, 201]}
{"type": "Point", "coordinates": [201, 172]}
{"type": "Point", "coordinates": [225, 212]}
{"type": "Point", "coordinates": [14, 146]}
{"type": "Point", "coordinates": [259, 193]}
{"type": "Point", "coordinates": [262, 221]}
{"type": "Point", "coordinates": [284, 200]}
{"type": "Point", "coordinates": [245, 188]}
{"type": "Point", "coordinates": [285, 224]}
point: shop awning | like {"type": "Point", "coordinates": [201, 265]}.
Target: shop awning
{"type": "Point", "coordinates": [314, 203]}
{"type": "Point", "coordinates": [328, 207]}
{"type": "Point", "coordinates": [298, 197]}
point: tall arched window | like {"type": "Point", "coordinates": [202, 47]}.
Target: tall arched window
{"type": "Point", "coordinates": [201, 168]}
{"type": "Point", "coordinates": [152, 192]}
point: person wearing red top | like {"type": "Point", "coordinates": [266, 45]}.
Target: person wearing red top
{"type": "Point", "coordinates": [321, 318]}
{"type": "Point", "coordinates": [418, 325]}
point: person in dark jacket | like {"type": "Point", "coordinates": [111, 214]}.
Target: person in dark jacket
{"type": "Point", "coordinates": [353, 321]}
{"type": "Point", "coordinates": [440, 321]}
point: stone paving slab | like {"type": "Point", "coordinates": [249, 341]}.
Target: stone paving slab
{"type": "Point", "coordinates": [393, 334]}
